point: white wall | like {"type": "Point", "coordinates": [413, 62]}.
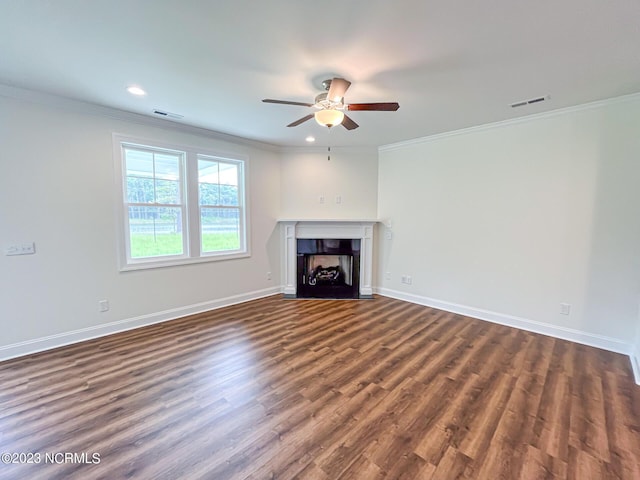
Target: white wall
{"type": "Point", "coordinates": [508, 221]}
{"type": "Point", "coordinates": [352, 174]}
{"type": "Point", "coordinates": [57, 189]}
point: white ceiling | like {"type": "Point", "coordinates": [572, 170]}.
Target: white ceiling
{"type": "Point", "coordinates": [449, 63]}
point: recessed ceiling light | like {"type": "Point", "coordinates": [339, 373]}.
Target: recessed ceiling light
{"type": "Point", "coordinates": [135, 90]}
{"type": "Point", "coordinates": [310, 139]}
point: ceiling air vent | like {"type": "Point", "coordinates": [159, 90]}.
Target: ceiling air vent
{"type": "Point", "coordinates": [168, 114]}
{"type": "Point", "coordinates": [529, 102]}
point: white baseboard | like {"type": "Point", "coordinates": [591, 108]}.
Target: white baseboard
{"type": "Point", "coordinates": [635, 361]}
{"type": "Point", "coordinates": [585, 338]}
{"type": "Point", "coordinates": [59, 340]}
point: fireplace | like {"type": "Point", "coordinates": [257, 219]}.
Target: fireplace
{"type": "Point", "coordinates": [327, 258]}
{"type": "Point", "coordinates": [328, 268]}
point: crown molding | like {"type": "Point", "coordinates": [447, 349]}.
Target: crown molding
{"type": "Point", "coordinates": [77, 106]}
{"type": "Point", "coordinates": [513, 121]}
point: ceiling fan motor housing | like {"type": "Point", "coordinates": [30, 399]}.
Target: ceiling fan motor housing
{"type": "Point", "coordinates": [322, 102]}
{"type": "Point", "coordinates": [321, 98]}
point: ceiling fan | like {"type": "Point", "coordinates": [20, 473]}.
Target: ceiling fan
{"type": "Point", "coordinates": [331, 106]}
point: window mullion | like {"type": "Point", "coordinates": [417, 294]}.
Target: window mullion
{"type": "Point", "coordinates": [193, 204]}
{"type": "Point", "coordinates": [155, 179]}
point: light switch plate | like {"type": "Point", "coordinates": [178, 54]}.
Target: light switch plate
{"type": "Point", "coordinates": [27, 248]}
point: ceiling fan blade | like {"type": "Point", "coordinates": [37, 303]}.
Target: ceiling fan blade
{"type": "Point", "coordinates": [301, 120]}
{"type": "Point", "coordinates": [337, 89]}
{"type": "Point", "coordinates": [348, 123]}
{"type": "Point", "coordinates": [287, 102]}
{"type": "Point", "coordinates": [385, 106]}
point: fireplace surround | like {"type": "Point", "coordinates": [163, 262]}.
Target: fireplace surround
{"type": "Point", "coordinates": [327, 258]}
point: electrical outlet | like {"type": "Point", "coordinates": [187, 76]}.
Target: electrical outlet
{"type": "Point", "coordinates": [409, 280]}
{"type": "Point", "coordinates": [268, 275]}
{"type": "Point", "coordinates": [565, 308]}
{"type": "Point", "coordinates": [103, 305]}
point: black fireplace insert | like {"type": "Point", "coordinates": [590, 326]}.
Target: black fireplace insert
{"type": "Point", "coordinates": [328, 268]}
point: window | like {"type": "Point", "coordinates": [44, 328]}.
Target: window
{"type": "Point", "coordinates": [154, 202]}
{"type": "Point", "coordinates": [179, 205]}
{"type": "Point", "coordinates": [219, 202]}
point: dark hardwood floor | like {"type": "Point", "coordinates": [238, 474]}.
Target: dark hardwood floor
{"type": "Point", "coordinates": [323, 390]}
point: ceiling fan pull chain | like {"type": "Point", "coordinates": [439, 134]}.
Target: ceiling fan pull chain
{"type": "Point", "coordinates": [328, 153]}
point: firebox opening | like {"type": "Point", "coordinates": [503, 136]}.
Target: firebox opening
{"type": "Point", "coordinates": [328, 268]}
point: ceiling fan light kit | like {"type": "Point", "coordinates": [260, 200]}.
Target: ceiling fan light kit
{"type": "Point", "coordinates": [329, 118]}
{"type": "Point", "coordinates": [330, 105]}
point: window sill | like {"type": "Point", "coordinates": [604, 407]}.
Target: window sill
{"type": "Point", "coordinates": [174, 262]}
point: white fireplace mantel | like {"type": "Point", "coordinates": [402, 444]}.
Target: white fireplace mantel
{"type": "Point", "coordinates": [325, 229]}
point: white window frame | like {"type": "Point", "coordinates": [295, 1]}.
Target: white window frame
{"type": "Point", "coordinates": [190, 197]}
{"type": "Point", "coordinates": [239, 164]}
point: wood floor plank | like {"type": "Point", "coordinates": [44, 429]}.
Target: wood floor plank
{"type": "Point", "coordinates": [454, 466]}
{"type": "Point", "coordinates": [480, 421]}
{"type": "Point", "coordinates": [513, 432]}
{"type": "Point", "coordinates": [361, 467]}
{"type": "Point", "coordinates": [538, 465]}
{"type": "Point", "coordinates": [435, 421]}
{"type": "Point", "coordinates": [588, 424]}
{"type": "Point", "coordinates": [624, 437]}
{"type": "Point", "coordinates": [323, 390]}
